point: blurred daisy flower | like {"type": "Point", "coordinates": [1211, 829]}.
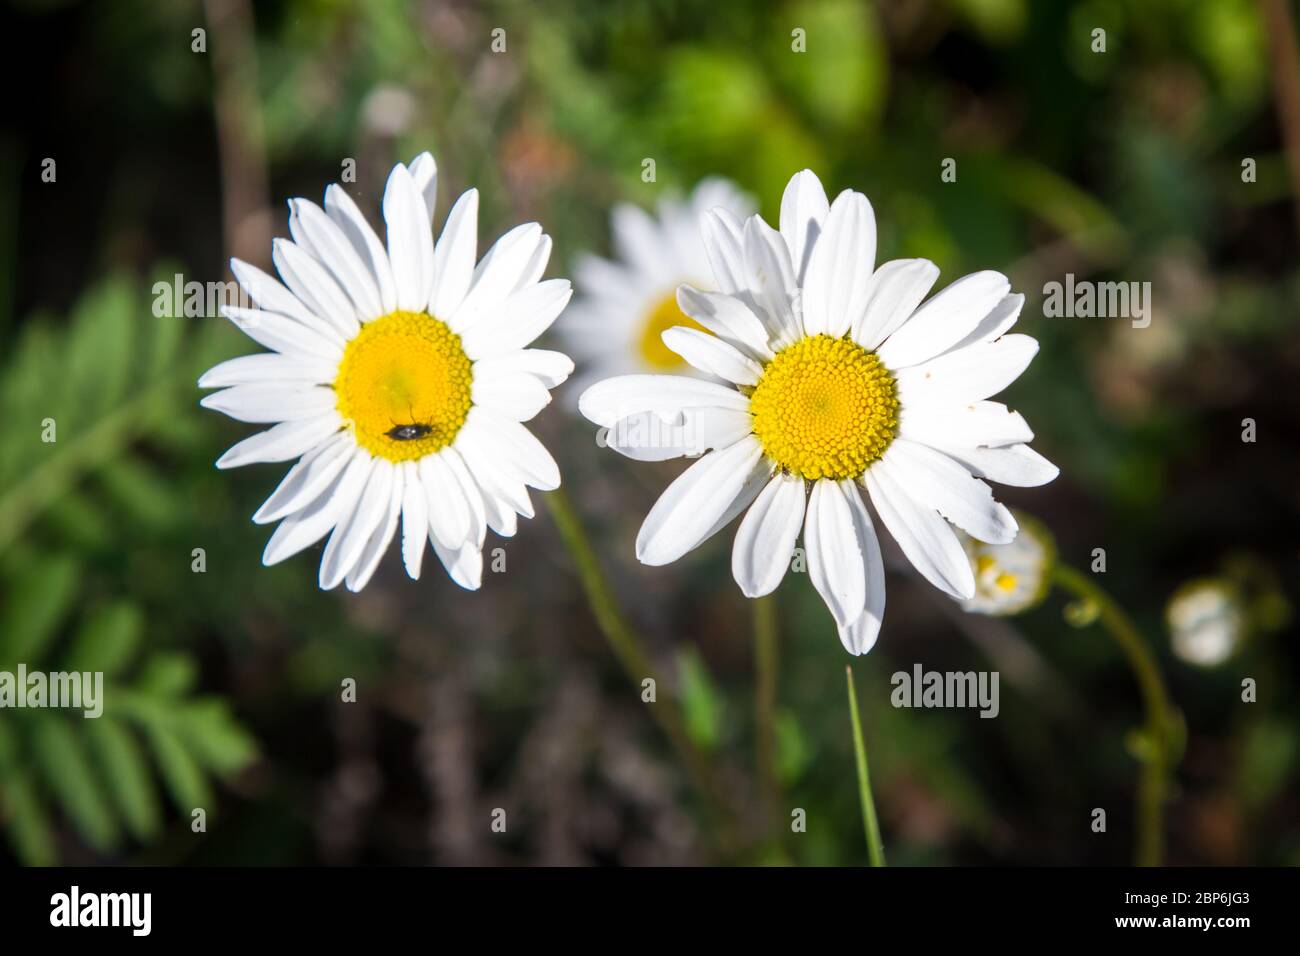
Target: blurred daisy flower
{"type": "Point", "coordinates": [625, 305]}
{"type": "Point", "coordinates": [398, 376]}
{"type": "Point", "coordinates": [1207, 621]}
{"type": "Point", "coordinates": [839, 380]}
{"type": "Point", "coordinates": [1014, 577]}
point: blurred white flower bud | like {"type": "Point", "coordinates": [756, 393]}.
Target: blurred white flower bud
{"type": "Point", "coordinates": [1011, 578]}
{"type": "Point", "coordinates": [388, 110]}
{"type": "Point", "coordinates": [1206, 622]}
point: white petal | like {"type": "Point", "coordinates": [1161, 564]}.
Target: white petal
{"type": "Point", "coordinates": [516, 447]}
{"type": "Point", "coordinates": [723, 243]}
{"type": "Point", "coordinates": [285, 335]}
{"type": "Point", "coordinates": [925, 538]}
{"type": "Point", "coordinates": [340, 207]}
{"type": "Point", "coordinates": [601, 278]}
{"type": "Point", "coordinates": [453, 256]}
{"type": "Point", "coordinates": [711, 355]}
{"type": "Point", "coordinates": [415, 519]}
{"type": "Point", "coordinates": [305, 481]}
{"type": "Point", "coordinates": [636, 235]}
{"type": "Point", "coordinates": [497, 275]}
{"type": "Point", "coordinates": [549, 368]}
{"type": "Point", "coordinates": [804, 209]}
{"type": "Point", "coordinates": [966, 375]}
{"type": "Point", "coordinates": [448, 514]}
{"type": "Point", "coordinates": [268, 293]}
{"type": "Point", "coordinates": [268, 367]}
{"type": "Point", "coordinates": [536, 264]}
{"type": "Point", "coordinates": [760, 473]}
{"type": "Point", "coordinates": [836, 562]}
{"type": "Point", "coordinates": [517, 320]}
{"type": "Point", "coordinates": [932, 477]}
{"type": "Point", "coordinates": [283, 442]}
{"type": "Point", "coordinates": [321, 236]}
{"type": "Point", "coordinates": [859, 636]}
{"type": "Point", "coordinates": [499, 482]}
{"type": "Point", "coordinates": [464, 564]}
{"type": "Point", "coordinates": [728, 318]}
{"type": "Point", "coordinates": [997, 323]}
{"type": "Point", "coordinates": [647, 437]}
{"type": "Point", "coordinates": [767, 263]}
{"type": "Point", "coordinates": [501, 514]}
{"type": "Point", "coordinates": [837, 284]}
{"type": "Point", "coordinates": [517, 397]}
{"type": "Point", "coordinates": [307, 526]}
{"type": "Point", "coordinates": [261, 404]}
{"type": "Point", "coordinates": [424, 173]}
{"type": "Point", "coordinates": [767, 534]}
{"type": "Point", "coordinates": [715, 191]}
{"type": "Point", "coordinates": [410, 241]}
{"type": "Point", "coordinates": [314, 286]}
{"type": "Point", "coordinates": [614, 399]}
{"type": "Point", "coordinates": [688, 509]}
{"type": "Point", "coordinates": [945, 320]}
{"type": "Point", "coordinates": [897, 289]}
{"type": "Point", "coordinates": [378, 542]}
{"type": "Point", "coordinates": [473, 495]}
{"type": "Point", "coordinates": [1017, 465]}
{"type": "Point", "coordinates": [964, 426]}
{"type": "Point", "coordinates": [349, 538]}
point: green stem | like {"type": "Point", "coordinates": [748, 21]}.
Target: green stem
{"type": "Point", "coordinates": [870, 825]}
{"type": "Point", "coordinates": [631, 655]}
{"type": "Point", "coordinates": [1155, 701]}
{"type": "Point", "coordinates": [765, 666]}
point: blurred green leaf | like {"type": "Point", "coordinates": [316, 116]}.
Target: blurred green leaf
{"type": "Point", "coordinates": [792, 751]}
{"type": "Point", "coordinates": [701, 705]}
{"type": "Point", "coordinates": [69, 774]}
{"type": "Point", "coordinates": [97, 393]}
{"type": "Point", "coordinates": [140, 493]}
{"type": "Point", "coordinates": [37, 599]}
{"type": "Point", "coordinates": [126, 771]}
{"type": "Point", "coordinates": [215, 738]}
{"type": "Point", "coordinates": [181, 772]}
{"type": "Point", "coordinates": [107, 640]}
{"type": "Point", "coordinates": [1268, 761]}
{"type": "Point", "coordinates": [166, 674]}
{"type": "Point", "coordinates": [840, 79]}
{"type": "Point", "coordinates": [96, 769]}
{"type": "Point", "coordinates": [26, 820]}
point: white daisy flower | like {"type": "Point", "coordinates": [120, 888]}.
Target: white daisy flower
{"type": "Point", "coordinates": [625, 305]}
{"type": "Point", "coordinates": [398, 377]}
{"type": "Point", "coordinates": [841, 379]}
{"type": "Point", "coordinates": [1014, 577]}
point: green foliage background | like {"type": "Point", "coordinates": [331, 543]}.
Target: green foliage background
{"type": "Point", "coordinates": [1124, 165]}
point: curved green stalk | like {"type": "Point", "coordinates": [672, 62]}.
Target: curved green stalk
{"type": "Point", "coordinates": [1157, 763]}
{"type": "Point", "coordinates": [631, 655]}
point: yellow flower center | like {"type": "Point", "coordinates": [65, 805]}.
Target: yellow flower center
{"type": "Point", "coordinates": [825, 408]}
{"type": "Point", "coordinates": [659, 320]}
{"type": "Point", "coordinates": [991, 576]}
{"type": "Point", "coordinates": [404, 386]}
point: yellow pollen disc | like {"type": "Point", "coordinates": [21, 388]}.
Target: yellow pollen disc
{"type": "Point", "coordinates": [1005, 582]}
{"type": "Point", "coordinates": [825, 408]}
{"type": "Point", "coordinates": [404, 385]}
{"type": "Point", "coordinates": [658, 321]}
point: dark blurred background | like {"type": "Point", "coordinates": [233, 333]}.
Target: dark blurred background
{"type": "Point", "coordinates": [1124, 165]}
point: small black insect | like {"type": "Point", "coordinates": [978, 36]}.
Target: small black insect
{"type": "Point", "coordinates": [408, 432]}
